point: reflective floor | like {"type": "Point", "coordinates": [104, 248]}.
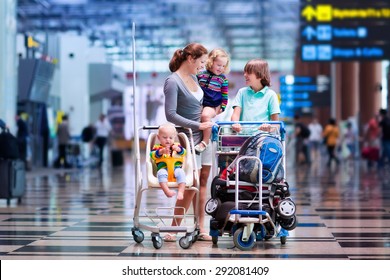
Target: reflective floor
{"type": "Point", "coordinates": [343, 213]}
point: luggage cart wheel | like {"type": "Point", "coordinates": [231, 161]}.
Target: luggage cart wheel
{"type": "Point", "coordinates": [185, 242]}
{"type": "Point", "coordinates": [138, 236]}
{"type": "Point", "coordinates": [283, 240]}
{"type": "Point", "coordinates": [244, 245]}
{"type": "Point", "coordinates": [157, 241]}
{"type": "Point", "coordinates": [214, 239]}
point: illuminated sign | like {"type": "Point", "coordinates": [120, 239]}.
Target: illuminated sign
{"type": "Point", "coordinates": [327, 13]}
{"type": "Point", "coordinates": [300, 94]}
{"type": "Point", "coordinates": [31, 43]}
{"type": "Point", "coordinates": [344, 30]}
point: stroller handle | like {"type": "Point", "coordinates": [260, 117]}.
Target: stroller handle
{"type": "Point", "coordinates": [149, 127]}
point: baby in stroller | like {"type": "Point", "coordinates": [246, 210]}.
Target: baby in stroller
{"type": "Point", "coordinates": [169, 158]}
{"type": "Point", "coordinates": [250, 199]}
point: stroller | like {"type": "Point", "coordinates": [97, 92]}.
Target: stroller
{"type": "Point", "coordinates": [250, 197]}
{"type": "Point", "coordinates": [158, 219]}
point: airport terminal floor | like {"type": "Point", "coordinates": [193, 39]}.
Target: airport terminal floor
{"type": "Point", "coordinates": [343, 213]}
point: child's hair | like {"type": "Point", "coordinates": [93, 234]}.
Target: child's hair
{"type": "Point", "coordinates": [166, 126]}
{"type": "Point", "coordinates": [194, 50]}
{"type": "Point", "coordinates": [218, 53]}
{"type": "Point", "coordinates": [260, 68]}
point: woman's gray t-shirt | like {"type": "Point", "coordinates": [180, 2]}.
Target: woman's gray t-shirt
{"type": "Point", "coordinates": [181, 107]}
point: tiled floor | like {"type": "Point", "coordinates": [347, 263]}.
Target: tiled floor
{"type": "Point", "coordinates": [343, 213]}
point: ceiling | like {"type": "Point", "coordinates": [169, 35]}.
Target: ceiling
{"type": "Point", "coordinates": [246, 28]}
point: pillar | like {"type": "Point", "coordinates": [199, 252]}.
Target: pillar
{"type": "Point", "coordinates": [336, 91]}
{"type": "Point", "coordinates": [8, 62]}
{"type": "Point", "coordinates": [349, 89]}
{"type": "Point", "coordinates": [370, 77]}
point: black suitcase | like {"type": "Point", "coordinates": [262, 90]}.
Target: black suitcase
{"type": "Point", "coordinates": [12, 179]}
{"type": "Point", "coordinates": [116, 158]}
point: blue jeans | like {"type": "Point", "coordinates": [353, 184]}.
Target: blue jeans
{"type": "Point", "coordinates": [162, 175]}
{"type": "Point", "coordinates": [385, 152]}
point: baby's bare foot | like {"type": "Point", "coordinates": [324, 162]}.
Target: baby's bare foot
{"type": "Point", "coordinates": [179, 196]}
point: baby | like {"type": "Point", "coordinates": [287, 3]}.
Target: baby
{"type": "Point", "coordinates": [169, 158]}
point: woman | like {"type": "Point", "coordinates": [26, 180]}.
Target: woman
{"type": "Point", "coordinates": [331, 133]}
{"type": "Point", "coordinates": [183, 107]}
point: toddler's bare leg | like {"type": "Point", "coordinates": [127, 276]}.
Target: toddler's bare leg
{"type": "Point", "coordinates": [207, 114]}
{"type": "Point", "coordinates": [180, 193]}
{"type": "Point", "coordinates": [166, 190]}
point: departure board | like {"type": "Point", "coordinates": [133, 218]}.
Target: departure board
{"type": "Point", "coordinates": [344, 30]}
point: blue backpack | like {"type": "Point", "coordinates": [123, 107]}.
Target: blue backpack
{"type": "Point", "coordinates": [270, 154]}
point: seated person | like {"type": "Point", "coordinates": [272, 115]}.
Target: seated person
{"type": "Point", "coordinates": [169, 158]}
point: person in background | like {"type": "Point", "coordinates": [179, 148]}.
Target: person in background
{"type": "Point", "coordinates": [2, 124]}
{"type": "Point", "coordinates": [63, 137]}
{"type": "Point", "coordinates": [183, 107]}
{"type": "Point", "coordinates": [371, 144]}
{"type": "Point", "coordinates": [169, 155]}
{"type": "Point", "coordinates": [257, 101]}
{"type": "Point", "coordinates": [103, 130]}
{"type": "Point", "coordinates": [22, 137]}
{"type": "Point", "coordinates": [349, 140]}
{"type": "Point", "coordinates": [315, 139]}
{"type": "Point", "coordinates": [384, 124]}
{"type": "Point", "coordinates": [331, 133]}
{"type": "Point", "coordinates": [302, 134]}
{"type": "Point", "coordinates": [215, 87]}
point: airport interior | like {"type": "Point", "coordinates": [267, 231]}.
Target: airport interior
{"type": "Point", "coordinates": [83, 58]}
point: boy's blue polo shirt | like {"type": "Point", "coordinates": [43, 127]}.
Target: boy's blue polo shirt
{"type": "Point", "coordinates": [256, 106]}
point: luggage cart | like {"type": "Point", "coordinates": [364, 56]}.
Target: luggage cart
{"type": "Point", "coordinates": [159, 219]}
{"type": "Point", "coordinates": [247, 211]}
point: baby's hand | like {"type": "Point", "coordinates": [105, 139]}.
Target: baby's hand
{"type": "Point", "coordinates": [165, 151]}
{"type": "Point", "coordinates": [176, 148]}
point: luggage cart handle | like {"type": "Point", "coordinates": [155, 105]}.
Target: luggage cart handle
{"type": "Point", "coordinates": [280, 123]}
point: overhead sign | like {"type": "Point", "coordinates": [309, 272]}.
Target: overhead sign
{"type": "Point", "coordinates": [345, 30]}
{"type": "Point", "coordinates": [300, 94]}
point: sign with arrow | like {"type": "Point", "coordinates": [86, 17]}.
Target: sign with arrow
{"type": "Point", "coordinates": [300, 94]}
{"type": "Point", "coordinates": [344, 30]}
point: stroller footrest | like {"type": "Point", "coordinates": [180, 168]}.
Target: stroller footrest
{"type": "Point", "coordinates": [173, 229]}
{"type": "Point", "coordinates": [248, 212]}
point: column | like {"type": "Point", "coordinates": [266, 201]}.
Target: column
{"type": "Point", "coordinates": [370, 77]}
{"type": "Point", "coordinates": [336, 92]}
{"type": "Point", "coordinates": [8, 62]}
{"type": "Point", "coordinates": [349, 89]}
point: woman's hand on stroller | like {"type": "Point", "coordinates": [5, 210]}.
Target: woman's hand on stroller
{"type": "Point", "coordinates": [206, 125]}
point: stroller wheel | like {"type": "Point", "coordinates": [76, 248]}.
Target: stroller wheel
{"type": "Point", "coordinates": [244, 245]}
{"type": "Point", "coordinates": [157, 241]}
{"type": "Point", "coordinates": [286, 208]}
{"type": "Point", "coordinates": [185, 242]}
{"type": "Point", "coordinates": [138, 236]}
{"type": "Point", "coordinates": [212, 205]}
